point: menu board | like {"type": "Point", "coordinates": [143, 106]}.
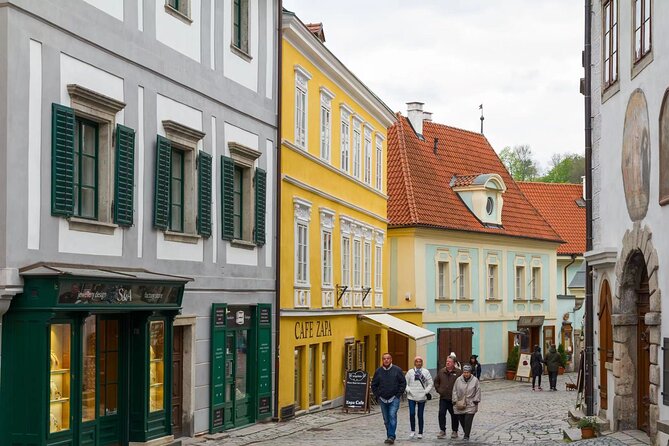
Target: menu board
{"type": "Point", "coordinates": [356, 390]}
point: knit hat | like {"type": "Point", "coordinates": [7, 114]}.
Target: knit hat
{"type": "Point", "coordinates": [417, 358]}
{"type": "Point", "coordinates": [467, 368]}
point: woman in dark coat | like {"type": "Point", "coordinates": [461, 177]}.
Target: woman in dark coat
{"type": "Point", "coordinates": [476, 366]}
{"type": "Point", "coordinates": [537, 364]}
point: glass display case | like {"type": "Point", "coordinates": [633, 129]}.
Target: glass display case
{"type": "Point", "coordinates": [60, 377]}
{"type": "Point", "coordinates": [157, 366]}
{"type": "Point", "coordinates": [88, 387]}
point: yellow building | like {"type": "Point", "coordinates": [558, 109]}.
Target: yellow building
{"type": "Point", "coordinates": [334, 301]}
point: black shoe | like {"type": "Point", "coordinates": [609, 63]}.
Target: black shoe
{"type": "Point", "coordinates": [388, 441]}
{"type": "Point", "coordinates": [465, 438]}
{"type": "Point", "coordinates": [392, 440]}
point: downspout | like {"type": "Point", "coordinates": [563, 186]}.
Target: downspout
{"type": "Point", "coordinates": [589, 307]}
{"type": "Point", "coordinates": [573, 259]}
{"type": "Point", "coordinates": [277, 213]}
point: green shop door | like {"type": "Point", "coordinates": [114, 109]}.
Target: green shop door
{"type": "Point", "coordinates": [236, 378]}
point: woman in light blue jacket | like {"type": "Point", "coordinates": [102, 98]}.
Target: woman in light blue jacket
{"type": "Point", "coordinates": [419, 385]}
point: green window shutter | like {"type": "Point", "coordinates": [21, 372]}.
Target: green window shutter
{"type": "Point", "coordinates": [260, 184]}
{"type": "Point", "coordinates": [125, 175]}
{"type": "Point", "coordinates": [62, 160]}
{"type": "Point", "coordinates": [161, 199]}
{"type": "Point", "coordinates": [204, 201]}
{"type": "Point", "coordinates": [227, 198]}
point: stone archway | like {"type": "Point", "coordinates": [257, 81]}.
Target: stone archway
{"type": "Point", "coordinates": [637, 266]}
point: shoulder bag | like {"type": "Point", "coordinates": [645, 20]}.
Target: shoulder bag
{"type": "Point", "coordinates": [461, 403]}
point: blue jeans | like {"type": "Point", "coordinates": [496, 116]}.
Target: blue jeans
{"type": "Point", "coordinates": [412, 415]}
{"type": "Point", "coordinates": [389, 411]}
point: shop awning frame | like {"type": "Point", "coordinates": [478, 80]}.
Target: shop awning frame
{"type": "Point", "coordinates": [531, 321]}
{"type": "Point", "coordinates": [421, 335]}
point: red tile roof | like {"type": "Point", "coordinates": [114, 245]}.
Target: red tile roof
{"type": "Point", "coordinates": [419, 182]}
{"type": "Point", "coordinates": [317, 30]}
{"type": "Point", "coordinates": [463, 180]}
{"type": "Point", "coordinates": [559, 204]}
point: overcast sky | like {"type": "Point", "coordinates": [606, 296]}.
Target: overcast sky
{"type": "Point", "coordinates": [520, 58]}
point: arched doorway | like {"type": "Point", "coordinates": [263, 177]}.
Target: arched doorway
{"type": "Point", "coordinates": [605, 343]}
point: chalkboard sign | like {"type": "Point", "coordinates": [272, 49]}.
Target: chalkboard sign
{"type": "Point", "coordinates": [218, 418]}
{"type": "Point", "coordinates": [356, 390]}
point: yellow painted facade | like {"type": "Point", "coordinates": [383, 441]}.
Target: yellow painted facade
{"type": "Point", "coordinates": [333, 226]}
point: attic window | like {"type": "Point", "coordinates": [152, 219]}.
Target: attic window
{"type": "Point", "coordinates": [483, 194]}
{"type": "Point", "coordinates": [490, 206]}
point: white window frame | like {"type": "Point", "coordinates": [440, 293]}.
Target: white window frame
{"type": "Point", "coordinates": [357, 147]}
{"type": "Point", "coordinates": [367, 156]}
{"type": "Point", "coordinates": [378, 268]}
{"type": "Point", "coordinates": [443, 280]}
{"type": "Point", "coordinates": [493, 281]}
{"type": "Point", "coordinates": [535, 283]}
{"type": "Point", "coordinates": [519, 289]}
{"type": "Point", "coordinates": [302, 78]}
{"type": "Point", "coordinates": [379, 162]}
{"type": "Point", "coordinates": [357, 263]}
{"type": "Point", "coordinates": [302, 213]}
{"type": "Point", "coordinates": [367, 265]}
{"type": "Point", "coordinates": [326, 124]}
{"type": "Point", "coordinates": [463, 279]}
{"type": "Point", "coordinates": [327, 224]}
{"type": "Point", "coordinates": [345, 137]}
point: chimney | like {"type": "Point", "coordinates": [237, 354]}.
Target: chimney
{"type": "Point", "coordinates": [427, 116]}
{"type": "Point", "coordinates": [415, 114]}
{"type": "Point", "coordinates": [317, 30]}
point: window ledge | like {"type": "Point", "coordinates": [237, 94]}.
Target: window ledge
{"type": "Point", "coordinates": [240, 52]}
{"type": "Point", "coordinates": [536, 299]}
{"type": "Point", "coordinates": [639, 65]}
{"type": "Point", "coordinates": [464, 300]}
{"type": "Point", "coordinates": [520, 300]}
{"type": "Point", "coordinates": [245, 244]}
{"type": "Point", "coordinates": [493, 300]}
{"type": "Point", "coordinates": [178, 14]}
{"type": "Point", "coordinates": [443, 299]}
{"type": "Point", "coordinates": [610, 91]}
{"type": "Point", "coordinates": [94, 226]}
{"type": "Point", "coordinates": [181, 237]}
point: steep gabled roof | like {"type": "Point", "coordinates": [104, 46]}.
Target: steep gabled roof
{"type": "Point", "coordinates": [419, 182]}
{"type": "Point", "coordinates": [563, 207]}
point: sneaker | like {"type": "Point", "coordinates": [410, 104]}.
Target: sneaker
{"type": "Point", "coordinates": [391, 441]}
{"type": "Point", "coordinates": [419, 436]}
{"type": "Point", "coordinates": [388, 441]}
{"type": "Point", "coordinates": [465, 438]}
{"type": "Point", "coordinates": [454, 434]}
{"type": "Point", "coordinates": [412, 434]}
{"type": "Point", "coordinates": [441, 434]}
{"type": "Point", "coordinates": [541, 389]}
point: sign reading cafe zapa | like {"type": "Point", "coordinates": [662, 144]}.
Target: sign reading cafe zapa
{"type": "Point", "coordinates": [96, 293]}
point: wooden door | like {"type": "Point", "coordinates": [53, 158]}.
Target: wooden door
{"type": "Point", "coordinates": [177, 382]}
{"type": "Point", "coordinates": [643, 356]}
{"type": "Point", "coordinates": [398, 347]}
{"type": "Point", "coordinates": [605, 343]}
{"type": "Point", "coordinates": [456, 340]}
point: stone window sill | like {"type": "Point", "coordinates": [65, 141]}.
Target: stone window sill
{"type": "Point", "coordinates": [241, 53]}
{"type": "Point", "coordinates": [244, 244]}
{"type": "Point", "coordinates": [537, 299]}
{"type": "Point", "coordinates": [493, 300]}
{"type": "Point", "coordinates": [610, 91]}
{"type": "Point", "coordinates": [94, 226]}
{"type": "Point", "coordinates": [642, 63]}
{"type": "Point", "coordinates": [181, 237]}
{"type": "Point", "coordinates": [521, 300]}
{"type": "Point", "coordinates": [464, 300]}
{"type": "Point", "coordinates": [178, 14]}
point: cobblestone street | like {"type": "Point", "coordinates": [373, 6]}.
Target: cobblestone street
{"type": "Point", "coordinates": [510, 413]}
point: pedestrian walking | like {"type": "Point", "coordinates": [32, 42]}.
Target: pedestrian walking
{"type": "Point", "coordinates": [466, 397]}
{"type": "Point", "coordinates": [444, 382]}
{"type": "Point", "coordinates": [552, 363]}
{"type": "Point", "coordinates": [476, 366]}
{"type": "Point", "coordinates": [537, 365]}
{"type": "Point", "coordinates": [457, 363]}
{"type": "Point", "coordinates": [388, 385]}
{"type": "Point", "coordinates": [419, 385]}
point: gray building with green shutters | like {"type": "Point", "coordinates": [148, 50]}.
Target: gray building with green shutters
{"type": "Point", "coordinates": [137, 263]}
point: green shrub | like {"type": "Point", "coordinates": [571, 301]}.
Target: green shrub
{"type": "Point", "coordinates": [514, 357]}
{"type": "Point", "coordinates": [587, 422]}
{"type": "Point", "coordinates": [564, 357]}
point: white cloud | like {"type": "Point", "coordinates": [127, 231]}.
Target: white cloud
{"type": "Point", "coordinates": [520, 58]}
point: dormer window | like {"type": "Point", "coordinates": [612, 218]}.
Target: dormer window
{"type": "Point", "coordinates": [482, 193]}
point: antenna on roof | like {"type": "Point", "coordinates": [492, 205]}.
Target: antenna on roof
{"type": "Point", "coordinates": [482, 118]}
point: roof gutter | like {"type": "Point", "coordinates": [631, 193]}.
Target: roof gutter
{"type": "Point", "coordinates": [573, 259]}
{"type": "Point", "coordinates": [589, 307]}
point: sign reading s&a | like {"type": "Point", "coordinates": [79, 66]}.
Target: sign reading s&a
{"type": "Point", "coordinates": [312, 329]}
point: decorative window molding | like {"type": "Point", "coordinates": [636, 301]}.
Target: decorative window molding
{"type": "Point", "coordinates": [302, 209]}
{"type": "Point", "coordinates": [463, 280]}
{"type": "Point", "coordinates": [379, 163]}
{"type": "Point", "coordinates": [302, 74]}
{"type": "Point", "coordinates": [378, 268]}
{"type": "Point", "coordinates": [535, 283]}
{"type": "Point", "coordinates": [326, 95]}
{"type": "Point", "coordinates": [302, 77]}
{"type": "Point", "coordinates": [519, 281]}
{"type": "Point", "coordinates": [302, 216]}
{"type": "Point", "coordinates": [443, 276]}
{"type": "Point", "coordinates": [326, 124]}
{"type": "Point", "coordinates": [327, 217]}
{"type": "Point", "coordinates": [367, 155]}
{"type": "Point", "coordinates": [242, 154]}
{"type": "Point", "coordinates": [345, 225]}
{"type": "Point", "coordinates": [345, 137]}
{"type": "Point", "coordinates": [379, 237]}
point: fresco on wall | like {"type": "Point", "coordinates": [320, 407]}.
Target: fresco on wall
{"type": "Point", "coordinates": [636, 156]}
{"type": "Point", "coordinates": [664, 150]}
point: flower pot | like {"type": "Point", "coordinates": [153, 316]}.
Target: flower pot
{"type": "Point", "coordinates": [587, 432]}
{"type": "Point", "coordinates": [510, 375]}
{"type": "Point", "coordinates": [560, 370]}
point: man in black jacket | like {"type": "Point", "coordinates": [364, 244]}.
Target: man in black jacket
{"type": "Point", "coordinates": [388, 386]}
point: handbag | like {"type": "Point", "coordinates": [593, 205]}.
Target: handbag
{"type": "Point", "coordinates": [461, 403]}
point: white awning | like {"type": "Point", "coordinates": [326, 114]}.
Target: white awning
{"type": "Point", "coordinates": [421, 335]}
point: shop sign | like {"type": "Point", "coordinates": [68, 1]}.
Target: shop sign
{"type": "Point", "coordinates": [217, 420]}
{"type": "Point", "coordinates": [238, 316]}
{"type": "Point", "coordinates": [219, 317]}
{"type": "Point", "coordinates": [313, 329]}
{"type": "Point", "coordinates": [356, 390]}
{"type": "Point", "coordinates": [264, 316]}
{"type": "Point", "coordinates": [263, 405]}
{"type": "Point", "coordinates": [92, 293]}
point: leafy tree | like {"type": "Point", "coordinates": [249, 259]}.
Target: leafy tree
{"type": "Point", "coordinates": [565, 168]}
{"type": "Point", "coordinates": [520, 163]}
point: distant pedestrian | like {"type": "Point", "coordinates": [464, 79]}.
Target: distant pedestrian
{"type": "Point", "coordinates": [537, 364]}
{"type": "Point", "coordinates": [476, 366]}
{"type": "Point", "coordinates": [419, 385]}
{"type": "Point", "coordinates": [457, 363]}
{"type": "Point", "coordinates": [388, 386]}
{"type": "Point", "coordinates": [553, 363]}
{"type": "Point", "coordinates": [466, 397]}
{"type": "Point", "coordinates": [444, 382]}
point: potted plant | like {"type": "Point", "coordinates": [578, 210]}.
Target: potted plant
{"type": "Point", "coordinates": [587, 426]}
{"type": "Point", "coordinates": [512, 363]}
{"type": "Point", "coordinates": [564, 358]}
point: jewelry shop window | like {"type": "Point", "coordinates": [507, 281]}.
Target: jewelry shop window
{"type": "Point", "coordinates": [89, 372]}
{"type": "Point", "coordinates": [157, 366]}
{"type": "Point", "coordinates": [60, 377]}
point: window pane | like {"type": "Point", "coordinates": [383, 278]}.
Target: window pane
{"type": "Point", "coordinates": [176, 191]}
{"type": "Point", "coordinates": [324, 372]}
{"type": "Point", "coordinates": [89, 372]}
{"type": "Point", "coordinates": [297, 390]}
{"type": "Point", "coordinates": [89, 138]}
{"type": "Point", "coordinates": [88, 171]}
{"type": "Point", "coordinates": [157, 365]}
{"type": "Point", "coordinates": [60, 382]}
{"type": "Point", "coordinates": [637, 14]}
{"type": "Point", "coordinates": [87, 204]}
{"type": "Point", "coordinates": [241, 372]}
{"type": "Point", "coordinates": [176, 218]}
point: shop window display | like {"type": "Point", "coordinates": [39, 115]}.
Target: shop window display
{"type": "Point", "coordinates": [89, 370]}
{"type": "Point", "coordinates": [157, 366]}
{"type": "Point", "coordinates": [59, 407]}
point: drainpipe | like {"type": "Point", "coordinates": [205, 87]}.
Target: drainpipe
{"type": "Point", "coordinates": [277, 213]}
{"type": "Point", "coordinates": [573, 259]}
{"type": "Point", "coordinates": [589, 307]}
